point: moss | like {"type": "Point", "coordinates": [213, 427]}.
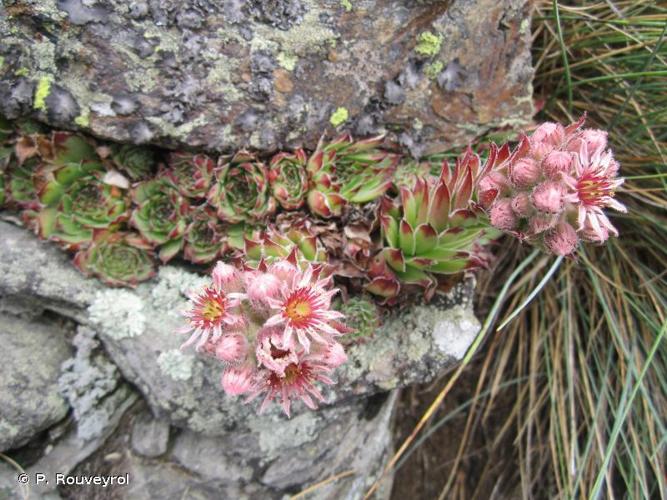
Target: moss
{"type": "Point", "coordinates": [428, 44]}
{"type": "Point", "coordinates": [339, 117]}
{"type": "Point", "coordinates": [287, 61]}
{"type": "Point", "coordinates": [2, 62]}
{"type": "Point", "coordinates": [433, 69]}
{"type": "Point", "coordinates": [22, 72]}
{"type": "Point", "coordinates": [42, 92]}
{"type": "Point", "coordinates": [347, 4]}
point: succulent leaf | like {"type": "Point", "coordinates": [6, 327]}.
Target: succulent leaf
{"type": "Point", "coordinates": [190, 173]}
{"type": "Point", "coordinates": [137, 162]}
{"type": "Point", "coordinates": [289, 179]}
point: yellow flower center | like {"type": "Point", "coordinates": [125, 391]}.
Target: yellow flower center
{"type": "Point", "coordinates": [298, 310]}
{"type": "Point", "coordinates": [212, 310]}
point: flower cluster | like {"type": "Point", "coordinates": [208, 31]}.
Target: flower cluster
{"type": "Point", "coordinates": [273, 328]}
{"type": "Point", "coordinates": [551, 191]}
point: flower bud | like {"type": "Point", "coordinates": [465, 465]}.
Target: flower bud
{"type": "Point", "coordinates": [562, 240]}
{"type": "Point", "coordinates": [549, 133]}
{"type": "Point", "coordinates": [334, 355]}
{"type": "Point", "coordinates": [238, 380]}
{"type": "Point", "coordinates": [595, 139]}
{"type": "Point", "coordinates": [231, 347]}
{"type": "Point", "coordinates": [525, 172]}
{"type": "Point", "coordinates": [261, 287]}
{"type": "Point", "coordinates": [521, 204]}
{"type": "Point", "coordinates": [226, 277]}
{"type": "Point", "coordinates": [548, 197]}
{"type": "Point", "coordinates": [502, 215]}
{"type": "Point", "coordinates": [539, 223]}
{"type": "Point", "coordinates": [556, 163]}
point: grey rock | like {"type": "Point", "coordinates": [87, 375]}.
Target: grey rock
{"type": "Point", "coordinates": [333, 57]}
{"type": "Point", "coordinates": [29, 399]}
{"type": "Point", "coordinates": [150, 436]}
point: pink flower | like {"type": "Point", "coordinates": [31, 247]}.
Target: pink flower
{"type": "Point", "coordinates": [304, 310]}
{"type": "Point", "coordinates": [212, 311]}
{"type": "Point", "coordinates": [562, 240]}
{"type": "Point", "coordinates": [548, 197]}
{"type": "Point", "coordinates": [238, 379]}
{"type": "Point", "coordinates": [298, 382]}
{"type": "Point", "coordinates": [332, 354]}
{"type": "Point", "coordinates": [521, 204]}
{"type": "Point", "coordinates": [594, 184]}
{"type": "Point", "coordinates": [502, 216]}
{"type": "Point", "coordinates": [594, 139]}
{"type": "Point", "coordinates": [231, 347]}
{"type": "Point", "coordinates": [557, 163]}
{"type": "Point", "coordinates": [525, 172]}
{"type": "Point", "coordinates": [270, 355]}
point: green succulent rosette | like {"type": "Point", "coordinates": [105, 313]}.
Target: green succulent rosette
{"type": "Point", "coordinates": [289, 179]}
{"type": "Point", "coordinates": [205, 236]}
{"type": "Point", "coordinates": [436, 228]}
{"type": "Point", "coordinates": [190, 173]}
{"type": "Point", "coordinates": [87, 203]}
{"type": "Point", "coordinates": [20, 191]}
{"type": "Point", "coordinates": [344, 171]}
{"type": "Point", "coordinates": [241, 191]}
{"type": "Point", "coordinates": [117, 258]}
{"type": "Point", "coordinates": [137, 162]}
{"type": "Point", "coordinates": [160, 215]}
{"type": "Point", "coordinates": [361, 317]}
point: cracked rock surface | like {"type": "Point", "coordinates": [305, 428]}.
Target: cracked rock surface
{"type": "Point", "coordinates": [222, 75]}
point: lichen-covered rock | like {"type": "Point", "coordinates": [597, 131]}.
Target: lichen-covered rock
{"type": "Point", "coordinates": [29, 399]}
{"type": "Point", "coordinates": [266, 74]}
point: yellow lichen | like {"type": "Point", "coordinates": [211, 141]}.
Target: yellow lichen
{"type": "Point", "coordinates": [339, 116]}
{"type": "Point", "coordinates": [428, 44]}
{"type": "Point", "coordinates": [42, 92]}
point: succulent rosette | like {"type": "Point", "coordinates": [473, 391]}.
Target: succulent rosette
{"type": "Point", "coordinates": [344, 171]}
{"type": "Point", "coordinates": [205, 236]}
{"type": "Point", "coordinates": [87, 203]}
{"type": "Point", "coordinates": [160, 215]}
{"type": "Point", "coordinates": [272, 328]}
{"type": "Point", "coordinates": [190, 173]}
{"type": "Point", "coordinates": [137, 162]}
{"type": "Point", "coordinates": [241, 191]}
{"type": "Point", "coordinates": [117, 258]}
{"type": "Point", "coordinates": [289, 179]}
{"type": "Point", "coordinates": [551, 191]}
{"type": "Point", "coordinates": [435, 228]}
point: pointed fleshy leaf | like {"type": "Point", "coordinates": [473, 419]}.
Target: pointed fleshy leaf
{"type": "Point", "coordinates": [406, 238]}
{"type": "Point", "coordinates": [438, 216]}
{"type": "Point", "coordinates": [394, 258]}
{"type": "Point", "coordinates": [170, 249]}
{"type": "Point", "coordinates": [425, 239]}
{"type": "Point", "coordinates": [384, 287]}
{"type": "Point", "coordinates": [390, 230]}
{"type": "Point", "coordinates": [452, 266]}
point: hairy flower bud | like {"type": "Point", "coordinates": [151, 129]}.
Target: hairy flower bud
{"type": "Point", "coordinates": [525, 172]}
{"type": "Point", "coordinates": [557, 163]}
{"type": "Point", "coordinates": [521, 204]}
{"type": "Point", "coordinates": [548, 197]}
{"type": "Point", "coordinates": [549, 133]}
{"type": "Point", "coordinates": [226, 277]}
{"type": "Point", "coordinates": [562, 240]}
{"type": "Point", "coordinates": [231, 347]}
{"type": "Point", "coordinates": [238, 380]}
{"type": "Point", "coordinates": [502, 215]}
{"type": "Point", "coordinates": [261, 287]}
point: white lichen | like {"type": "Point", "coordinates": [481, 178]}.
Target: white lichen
{"type": "Point", "coordinates": [176, 365]}
{"type": "Point", "coordinates": [277, 435]}
{"type": "Point", "coordinates": [173, 287]}
{"type": "Point", "coordinates": [118, 313]}
{"type": "Point", "coordinates": [454, 333]}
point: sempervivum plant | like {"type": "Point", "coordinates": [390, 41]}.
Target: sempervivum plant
{"type": "Point", "coordinates": [137, 162]}
{"type": "Point", "coordinates": [552, 189]}
{"type": "Point", "coordinates": [86, 203]}
{"type": "Point", "coordinates": [272, 328]}
{"type": "Point", "coordinates": [117, 258]}
{"type": "Point", "coordinates": [436, 228]}
{"type": "Point", "coordinates": [160, 215]}
{"type": "Point", "coordinates": [289, 179]}
{"type": "Point", "coordinates": [344, 171]}
{"type": "Point", "coordinates": [190, 173]}
{"type": "Point", "coordinates": [205, 236]}
{"type": "Point", "coordinates": [241, 191]}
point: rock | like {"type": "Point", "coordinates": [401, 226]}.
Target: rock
{"type": "Point", "coordinates": [150, 436]}
{"type": "Point", "coordinates": [29, 399]}
{"type": "Point", "coordinates": [220, 446]}
{"type": "Point", "coordinates": [182, 73]}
